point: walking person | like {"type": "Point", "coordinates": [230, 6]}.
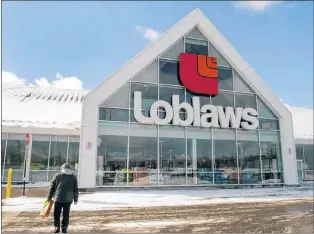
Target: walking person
{"type": "Point", "coordinates": [64, 189]}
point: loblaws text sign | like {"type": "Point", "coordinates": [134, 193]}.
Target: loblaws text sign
{"type": "Point", "coordinates": [199, 75]}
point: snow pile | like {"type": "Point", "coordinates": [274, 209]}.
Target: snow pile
{"type": "Point", "coordinates": [41, 107]}
{"type": "Point", "coordinates": [302, 122]}
{"type": "Point", "coordinates": [123, 199]}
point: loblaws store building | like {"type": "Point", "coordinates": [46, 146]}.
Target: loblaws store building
{"type": "Point", "coordinates": [186, 111]}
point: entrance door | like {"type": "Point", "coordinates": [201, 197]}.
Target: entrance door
{"type": "Point", "coordinates": [300, 170]}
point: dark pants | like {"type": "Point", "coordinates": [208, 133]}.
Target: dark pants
{"type": "Point", "coordinates": [65, 207]}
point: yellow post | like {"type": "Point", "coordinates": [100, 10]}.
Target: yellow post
{"type": "Point", "coordinates": [8, 195]}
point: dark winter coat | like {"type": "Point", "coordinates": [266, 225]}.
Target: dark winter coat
{"type": "Point", "coordinates": [63, 187]}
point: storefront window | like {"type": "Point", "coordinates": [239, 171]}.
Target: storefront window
{"type": "Point", "coordinates": [172, 155]}
{"type": "Point", "coordinates": [113, 114]}
{"type": "Point", "coordinates": [15, 156]}
{"type": "Point", "coordinates": [268, 124]}
{"type": "Point", "coordinates": [168, 72]}
{"type": "Point", "coordinates": [245, 101]}
{"type": "Point", "coordinates": [199, 156]}
{"type": "Point", "coordinates": [74, 152]}
{"type": "Point", "coordinates": [166, 93]}
{"type": "Point", "coordinates": [174, 51]}
{"type": "Point", "coordinates": [143, 159]}
{"type": "Point", "coordinates": [249, 157]}
{"type": "Point", "coordinates": [225, 78]}
{"type": "Point", "coordinates": [39, 158]}
{"type": "Point", "coordinates": [149, 74]}
{"type": "Point", "coordinates": [196, 46]}
{"type": "Point", "coordinates": [299, 152]}
{"type": "Point", "coordinates": [203, 99]}
{"type": "Point", "coordinates": [195, 33]}
{"type": "Point", "coordinates": [271, 157]}
{"type": "Point", "coordinates": [58, 154]}
{"type": "Point", "coordinates": [264, 111]}
{"type": "Point", "coordinates": [214, 53]}
{"type": "Point", "coordinates": [120, 99]}
{"type": "Point", "coordinates": [149, 94]}
{"type": "Point", "coordinates": [240, 85]}
{"type": "Point", "coordinates": [112, 160]}
{"type": "Point", "coordinates": [225, 157]}
{"type": "Point", "coordinates": [224, 99]}
{"type": "Point", "coordinates": [308, 157]}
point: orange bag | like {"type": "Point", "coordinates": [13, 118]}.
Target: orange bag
{"type": "Point", "coordinates": [46, 210]}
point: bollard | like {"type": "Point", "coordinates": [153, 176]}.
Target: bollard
{"type": "Point", "coordinates": [8, 195]}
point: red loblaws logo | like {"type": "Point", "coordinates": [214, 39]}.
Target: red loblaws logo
{"type": "Point", "coordinates": [199, 74]}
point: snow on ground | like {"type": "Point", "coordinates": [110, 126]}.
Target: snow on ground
{"type": "Point", "coordinates": [123, 199]}
{"type": "Point", "coordinates": [29, 185]}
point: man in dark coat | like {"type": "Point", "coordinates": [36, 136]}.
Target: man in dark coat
{"type": "Point", "coordinates": [64, 189]}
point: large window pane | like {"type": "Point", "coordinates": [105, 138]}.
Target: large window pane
{"type": "Point", "coordinates": [166, 93]}
{"type": "Point", "coordinates": [58, 153]}
{"type": "Point", "coordinates": [225, 78]}
{"type": "Point", "coordinates": [113, 114]}
{"type": "Point", "coordinates": [149, 74]}
{"type": "Point", "coordinates": [174, 51]}
{"type": "Point", "coordinates": [15, 152]}
{"type": "Point", "coordinates": [271, 156]}
{"type": "Point", "coordinates": [195, 33]}
{"type": "Point", "coordinates": [308, 157]}
{"type": "Point", "coordinates": [143, 158]}
{"type": "Point", "coordinates": [112, 158]}
{"type": "Point", "coordinates": [249, 157]}
{"type": "Point", "coordinates": [225, 157]}
{"type": "Point", "coordinates": [74, 151]}
{"type": "Point", "coordinates": [15, 156]}
{"type": "Point", "coordinates": [264, 111]}
{"type": "Point", "coordinates": [144, 112]}
{"type": "Point", "coordinates": [214, 53]}
{"type": "Point", "coordinates": [268, 124]}
{"type": "Point", "coordinates": [39, 158]}
{"type": "Point", "coordinates": [149, 94]}
{"type": "Point", "coordinates": [168, 72]}
{"type": "Point", "coordinates": [172, 155]}
{"type": "Point", "coordinates": [240, 85]}
{"type": "Point", "coordinates": [199, 156]}
{"type": "Point", "coordinates": [193, 46]}
{"type": "Point", "coordinates": [245, 101]}
{"type": "Point", "coordinates": [224, 99]}
{"type": "Point", "coordinates": [204, 100]}
{"type": "Point", "coordinates": [299, 152]}
{"type": "Point", "coordinates": [119, 99]}
{"type": "Point", "coordinates": [40, 152]}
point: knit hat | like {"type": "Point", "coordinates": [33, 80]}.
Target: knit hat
{"type": "Point", "coordinates": [66, 166]}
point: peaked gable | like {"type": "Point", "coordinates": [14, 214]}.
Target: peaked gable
{"type": "Point", "coordinates": [226, 55]}
{"type": "Point", "coordinates": [218, 46]}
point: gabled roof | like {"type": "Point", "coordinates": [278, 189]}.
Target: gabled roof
{"type": "Point", "coordinates": [179, 30]}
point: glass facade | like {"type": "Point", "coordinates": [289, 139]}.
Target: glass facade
{"type": "Point", "coordinates": [305, 153]}
{"type": "Point", "coordinates": [132, 154]}
{"type": "Point", "coordinates": [48, 153]}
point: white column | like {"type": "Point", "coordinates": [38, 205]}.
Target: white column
{"type": "Point", "coordinates": [194, 160]}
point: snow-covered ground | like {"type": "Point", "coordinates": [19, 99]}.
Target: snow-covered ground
{"type": "Point", "coordinates": [123, 199]}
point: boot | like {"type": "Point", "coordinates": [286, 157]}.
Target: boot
{"type": "Point", "coordinates": [64, 230]}
{"type": "Point", "coordinates": [57, 230]}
